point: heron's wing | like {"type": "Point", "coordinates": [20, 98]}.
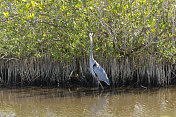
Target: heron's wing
{"type": "Point", "coordinates": [101, 74]}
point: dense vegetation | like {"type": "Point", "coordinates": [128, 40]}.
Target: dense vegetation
{"type": "Point", "coordinates": [134, 40]}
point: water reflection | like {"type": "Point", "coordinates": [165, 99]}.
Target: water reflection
{"type": "Point", "coordinates": [101, 104]}
{"type": "Point", "coordinates": [52, 102]}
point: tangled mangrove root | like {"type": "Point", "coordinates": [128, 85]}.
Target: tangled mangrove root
{"type": "Point", "coordinates": [138, 71]}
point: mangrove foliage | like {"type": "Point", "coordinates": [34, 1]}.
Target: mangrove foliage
{"type": "Point", "coordinates": [45, 42]}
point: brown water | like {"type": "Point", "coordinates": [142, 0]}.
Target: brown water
{"type": "Point", "coordinates": [54, 102]}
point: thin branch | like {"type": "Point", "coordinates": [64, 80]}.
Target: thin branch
{"type": "Point", "coordinates": [8, 19]}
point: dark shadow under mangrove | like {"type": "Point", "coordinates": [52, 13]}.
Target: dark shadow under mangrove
{"type": "Point", "coordinates": [141, 71]}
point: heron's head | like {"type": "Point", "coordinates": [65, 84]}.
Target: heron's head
{"type": "Point", "coordinates": [90, 35]}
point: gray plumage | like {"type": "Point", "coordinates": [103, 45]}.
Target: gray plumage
{"type": "Point", "coordinates": [96, 70]}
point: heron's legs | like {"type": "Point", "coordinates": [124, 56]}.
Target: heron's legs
{"type": "Point", "coordinates": [101, 85]}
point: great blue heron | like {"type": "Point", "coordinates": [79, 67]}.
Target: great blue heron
{"type": "Point", "coordinates": [96, 70]}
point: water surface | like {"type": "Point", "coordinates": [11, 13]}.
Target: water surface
{"type": "Point", "coordinates": [55, 102]}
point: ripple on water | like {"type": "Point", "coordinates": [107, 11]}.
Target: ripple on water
{"type": "Point", "coordinates": [51, 102]}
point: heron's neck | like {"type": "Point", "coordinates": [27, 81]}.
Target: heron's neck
{"type": "Point", "coordinates": [91, 55]}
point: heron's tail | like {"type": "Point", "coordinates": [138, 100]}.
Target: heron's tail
{"type": "Point", "coordinates": [107, 82]}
